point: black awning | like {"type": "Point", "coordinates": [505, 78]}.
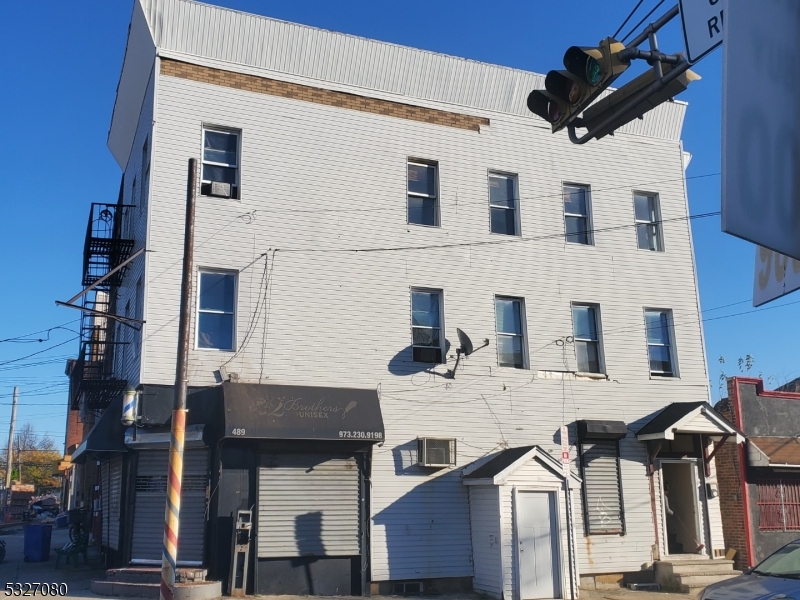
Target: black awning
{"type": "Point", "coordinates": [106, 437]}
{"type": "Point", "coordinates": [601, 430]}
{"type": "Point", "coordinates": [290, 412]}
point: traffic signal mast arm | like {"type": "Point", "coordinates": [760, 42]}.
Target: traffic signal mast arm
{"type": "Point", "coordinates": [590, 71]}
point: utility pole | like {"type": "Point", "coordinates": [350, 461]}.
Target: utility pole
{"type": "Point", "coordinates": [10, 450]}
{"type": "Point", "coordinates": [172, 510]}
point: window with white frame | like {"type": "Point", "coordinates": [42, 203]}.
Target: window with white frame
{"type": "Point", "coordinates": [423, 193]}
{"type": "Point", "coordinates": [426, 326]}
{"type": "Point", "coordinates": [577, 214]}
{"type": "Point", "coordinates": [216, 310]}
{"type": "Point", "coordinates": [503, 210]}
{"type": "Point", "coordinates": [509, 317]}
{"type": "Point", "coordinates": [220, 175]}
{"type": "Point", "coordinates": [660, 349]}
{"type": "Point", "coordinates": [586, 337]}
{"type": "Point", "coordinates": [648, 222]}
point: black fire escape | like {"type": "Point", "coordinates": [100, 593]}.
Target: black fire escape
{"type": "Point", "coordinates": [105, 249]}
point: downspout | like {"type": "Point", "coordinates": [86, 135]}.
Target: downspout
{"type": "Point", "coordinates": [743, 475]}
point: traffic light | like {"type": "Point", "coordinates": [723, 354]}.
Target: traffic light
{"type": "Point", "coordinates": [589, 71]}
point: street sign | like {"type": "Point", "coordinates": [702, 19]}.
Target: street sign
{"type": "Point", "coordinates": [565, 450]}
{"type": "Point", "coordinates": [761, 124]}
{"type": "Point", "coordinates": [702, 26]}
{"type": "Point", "coordinates": [776, 275]}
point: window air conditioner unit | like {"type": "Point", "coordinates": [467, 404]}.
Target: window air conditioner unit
{"type": "Point", "coordinates": [436, 452]}
{"type": "Point", "coordinates": [221, 189]}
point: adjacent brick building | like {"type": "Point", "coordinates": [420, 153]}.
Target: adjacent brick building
{"type": "Point", "coordinates": [759, 483]}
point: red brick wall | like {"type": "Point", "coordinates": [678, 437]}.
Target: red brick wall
{"type": "Point", "coordinates": [74, 431]}
{"type": "Point", "coordinates": [730, 493]}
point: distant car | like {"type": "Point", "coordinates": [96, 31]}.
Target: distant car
{"type": "Point", "coordinates": [777, 576]}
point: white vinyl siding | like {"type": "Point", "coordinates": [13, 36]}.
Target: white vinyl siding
{"type": "Point", "coordinates": [345, 315]}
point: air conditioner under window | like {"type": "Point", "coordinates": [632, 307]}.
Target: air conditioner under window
{"type": "Point", "coordinates": [436, 452]}
{"type": "Point", "coordinates": [221, 189]}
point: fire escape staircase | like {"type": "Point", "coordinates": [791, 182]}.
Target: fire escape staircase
{"type": "Point", "coordinates": [106, 255]}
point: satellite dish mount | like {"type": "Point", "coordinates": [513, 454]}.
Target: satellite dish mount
{"type": "Point", "coordinates": [465, 349]}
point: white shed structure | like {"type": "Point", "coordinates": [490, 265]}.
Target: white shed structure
{"type": "Point", "coordinates": [523, 525]}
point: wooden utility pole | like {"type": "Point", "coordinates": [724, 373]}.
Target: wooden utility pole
{"type": "Point", "coordinates": [10, 451]}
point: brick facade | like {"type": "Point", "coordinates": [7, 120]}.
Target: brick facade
{"type": "Point", "coordinates": [727, 461]}
{"type": "Point", "coordinates": [296, 91]}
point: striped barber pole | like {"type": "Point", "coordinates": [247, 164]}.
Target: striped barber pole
{"type": "Point", "coordinates": [172, 511]}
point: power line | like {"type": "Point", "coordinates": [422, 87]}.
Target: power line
{"type": "Point", "coordinates": [512, 240]}
{"type": "Point", "coordinates": [647, 16]}
{"type": "Point", "coordinates": [40, 351]}
{"type": "Point", "coordinates": [22, 338]}
{"type": "Point", "coordinates": [628, 18]}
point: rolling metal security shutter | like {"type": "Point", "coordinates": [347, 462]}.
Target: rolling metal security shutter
{"type": "Point", "coordinates": [150, 500]}
{"type": "Point", "coordinates": [111, 486]}
{"type": "Point", "coordinates": [308, 505]}
{"type": "Point", "coordinates": [601, 485]}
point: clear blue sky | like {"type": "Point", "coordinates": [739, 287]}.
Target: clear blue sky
{"type": "Point", "coordinates": [61, 63]}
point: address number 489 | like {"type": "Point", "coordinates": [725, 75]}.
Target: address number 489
{"type": "Point", "coordinates": [238, 431]}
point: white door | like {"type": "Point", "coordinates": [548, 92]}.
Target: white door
{"type": "Point", "coordinates": [538, 548]}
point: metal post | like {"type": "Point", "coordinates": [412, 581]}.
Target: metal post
{"type": "Point", "coordinates": [10, 450]}
{"type": "Point", "coordinates": [172, 510]}
{"type": "Point", "coordinates": [570, 542]}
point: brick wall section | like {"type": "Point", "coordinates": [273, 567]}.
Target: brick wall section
{"type": "Point", "coordinates": [730, 493]}
{"type": "Point", "coordinates": [74, 430]}
{"type": "Point", "coordinates": [296, 91]}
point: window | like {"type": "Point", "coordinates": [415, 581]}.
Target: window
{"type": "Point", "coordinates": [426, 326]}
{"type": "Point", "coordinates": [602, 489]}
{"type": "Point", "coordinates": [648, 222]}
{"type": "Point", "coordinates": [215, 319]}
{"type": "Point", "coordinates": [779, 503]}
{"type": "Point", "coordinates": [220, 163]}
{"type": "Point", "coordinates": [585, 329]}
{"type": "Point", "coordinates": [659, 342]}
{"type": "Point", "coordinates": [503, 204]}
{"type": "Point", "coordinates": [577, 219]}
{"type": "Point", "coordinates": [423, 195]}
{"type": "Point", "coordinates": [510, 332]}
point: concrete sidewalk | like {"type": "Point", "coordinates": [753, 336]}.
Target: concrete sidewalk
{"type": "Point", "coordinates": [14, 569]}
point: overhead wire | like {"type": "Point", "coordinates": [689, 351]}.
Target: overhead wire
{"type": "Point", "coordinates": [22, 339]}
{"type": "Point", "coordinates": [628, 18]}
{"type": "Point", "coordinates": [647, 16]}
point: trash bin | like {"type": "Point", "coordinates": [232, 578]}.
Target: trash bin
{"type": "Point", "coordinates": [37, 542]}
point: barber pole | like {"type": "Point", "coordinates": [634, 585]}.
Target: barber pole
{"type": "Point", "coordinates": [172, 511]}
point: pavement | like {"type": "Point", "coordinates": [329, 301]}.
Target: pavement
{"type": "Point", "coordinates": [14, 569]}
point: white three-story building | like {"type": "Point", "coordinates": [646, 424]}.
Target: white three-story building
{"type": "Point", "coordinates": [358, 202]}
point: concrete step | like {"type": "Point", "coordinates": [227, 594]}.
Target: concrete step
{"type": "Point", "coordinates": [705, 579]}
{"type": "Point", "coordinates": [198, 590]}
{"type": "Point", "coordinates": [694, 589]}
{"type": "Point", "coordinates": [709, 566]}
{"type": "Point", "coordinates": [153, 574]}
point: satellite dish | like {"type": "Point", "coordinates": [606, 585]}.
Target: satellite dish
{"type": "Point", "coordinates": [466, 349]}
{"type": "Point", "coordinates": [466, 343]}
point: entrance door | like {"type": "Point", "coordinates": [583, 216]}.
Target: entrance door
{"type": "Point", "coordinates": [681, 507]}
{"type": "Point", "coordinates": [537, 531]}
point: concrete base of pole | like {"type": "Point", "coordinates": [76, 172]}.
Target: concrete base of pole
{"type": "Point", "coordinates": [198, 590]}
